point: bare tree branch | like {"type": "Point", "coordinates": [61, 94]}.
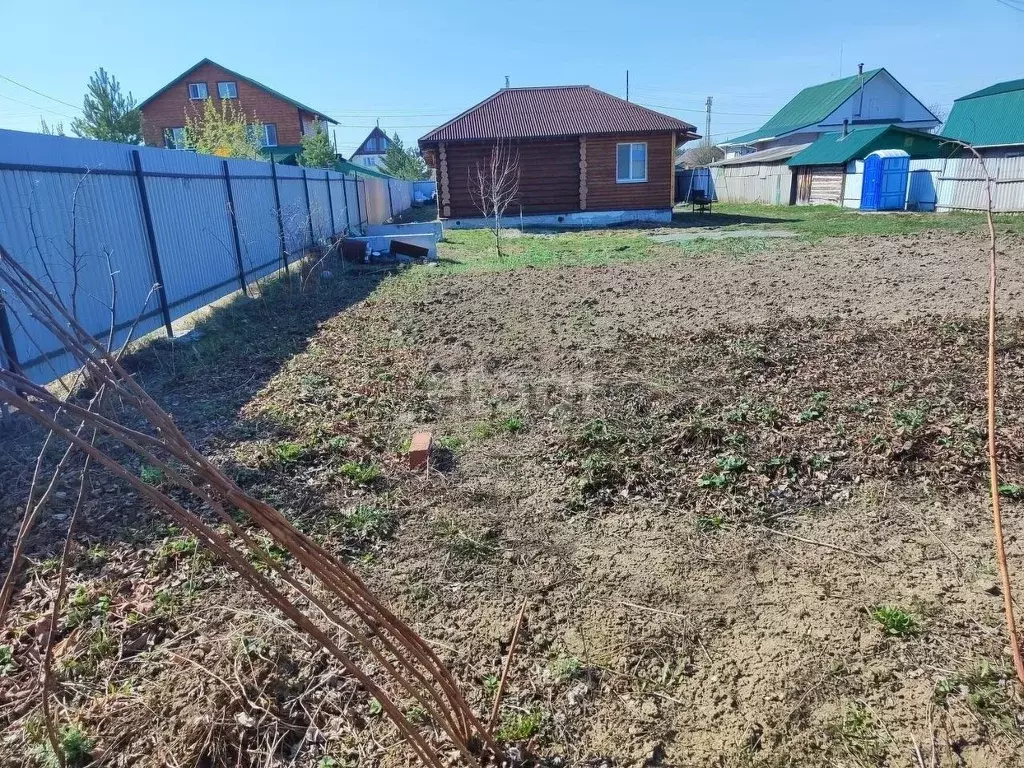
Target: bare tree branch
{"type": "Point", "coordinates": [494, 185]}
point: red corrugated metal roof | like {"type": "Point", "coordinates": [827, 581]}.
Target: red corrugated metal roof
{"type": "Point", "coordinates": [564, 110]}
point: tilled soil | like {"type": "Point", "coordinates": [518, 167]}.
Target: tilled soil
{"type": "Point", "coordinates": [702, 475]}
{"type": "Point", "coordinates": [724, 625]}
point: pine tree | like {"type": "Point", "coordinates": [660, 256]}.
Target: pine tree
{"type": "Point", "coordinates": [57, 129]}
{"type": "Point", "coordinates": [403, 163]}
{"type": "Point", "coordinates": [107, 114]}
{"type": "Point", "coordinates": [317, 151]}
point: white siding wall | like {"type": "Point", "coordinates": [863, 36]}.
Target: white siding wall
{"type": "Point", "coordinates": [884, 99]}
{"type": "Point", "coordinates": [854, 184]}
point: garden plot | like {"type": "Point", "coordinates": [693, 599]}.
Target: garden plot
{"type": "Point", "coordinates": [741, 491]}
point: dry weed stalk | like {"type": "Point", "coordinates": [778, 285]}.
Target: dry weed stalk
{"type": "Point", "coordinates": [993, 465]}
{"type": "Point", "coordinates": [993, 462]}
{"type": "Point", "coordinates": [402, 661]}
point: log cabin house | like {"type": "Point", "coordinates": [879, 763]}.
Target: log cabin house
{"type": "Point", "coordinates": [584, 156]}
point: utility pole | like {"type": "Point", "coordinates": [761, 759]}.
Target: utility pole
{"type": "Point", "coordinates": [707, 123]}
{"type": "Point", "coordinates": [627, 85]}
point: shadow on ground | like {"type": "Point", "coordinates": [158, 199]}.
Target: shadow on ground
{"type": "Point", "coordinates": [685, 218]}
{"type": "Point", "coordinates": [202, 379]}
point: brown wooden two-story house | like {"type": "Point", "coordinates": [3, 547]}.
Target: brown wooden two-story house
{"type": "Point", "coordinates": [579, 151]}
{"type": "Point", "coordinates": [285, 120]}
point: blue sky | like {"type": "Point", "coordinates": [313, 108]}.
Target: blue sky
{"type": "Point", "coordinates": [413, 65]}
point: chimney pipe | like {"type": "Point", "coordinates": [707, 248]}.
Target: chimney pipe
{"type": "Point", "coordinates": [860, 85]}
{"type": "Point", "coordinates": [846, 128]}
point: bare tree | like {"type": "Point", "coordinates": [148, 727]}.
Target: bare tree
{"type": "Point", "coordinates": [941, 111]}
{"type": "Point", "coordinates": [701, 156]}
{"type": "Point", "coordinates": [495, 185]}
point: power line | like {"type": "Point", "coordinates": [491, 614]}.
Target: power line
{"type": "Point", "coordinates": [760, 96]}
{"type": "Point", "coordinates": [44, 109]}
{"type": "Point", "coordinates": [39, 93]}
{"type": "Point", "coordinates": [689, 109]}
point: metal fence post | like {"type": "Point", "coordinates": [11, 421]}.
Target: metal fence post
{"type": "Point", "coordinates": [234, 228]}
{"type": "Point", "coordinates": [280, 222]}
{"type": "Point", "coordinates": [391, 202]}
{"type": "Point", "coordinates": [359, 213]}
{"type": "Point", "coordinates": [330, 204]}
{"type": "Point", "coordinates": [309, 208]}
{"type": "Point", "coordinates": [154, 256]}
{"type": "Point", "coordinates": [344, 194]}
{"type": "Point", "coordinates": [7, 339]}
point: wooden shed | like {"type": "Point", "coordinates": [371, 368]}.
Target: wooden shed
{"type": "Point", "coordinates": [825, 171]}
{"type": "Point", "coordinates": [578, 150]}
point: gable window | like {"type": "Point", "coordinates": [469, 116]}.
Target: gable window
{"type": "Point", "coordinates": [174, 138]}
{"type": "Point", "coordinates": [198, 91]}
{"type": "Point", "coordinates": [631, 162]}
{"type": "Point", "coordinates": [227, 90]}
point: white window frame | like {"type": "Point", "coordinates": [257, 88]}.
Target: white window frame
{"type": "Point", "coordinates": [234, 87]}
{"type": "Point", "coordinates": [630, 179]}
{"type": "Point", "coordinates": [193, 96]}
{"type": "Point", "coordinates": [177, 144]}
{"type": "Point", "coordinates": [265, 138]}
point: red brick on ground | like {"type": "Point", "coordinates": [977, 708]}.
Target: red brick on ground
{"type": "Point", "coordinates": [419, 452]}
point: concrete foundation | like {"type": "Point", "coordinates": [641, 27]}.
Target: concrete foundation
{"type": "Point", "coordinates": [576, 219]}
{"type": "Point", "coordinates": [423, 234]}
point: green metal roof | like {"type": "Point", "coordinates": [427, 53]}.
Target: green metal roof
{"type": "Point", "coordinates": [992, 116]}
{"type": "Point", "coordinates": [836, 149]}
{"type": "Point", "coordinates": [993, 90]}
{"type": "Point", "coordinates": [812, 105]}
{"type": "Point", "coordinates": [289, 155]}
{"type": "Point", "coordinates": [284, 154]}
{"type": "Point", "coordinates": [344, 166]}
{"type": "Point", "coordinates": [240, 76]}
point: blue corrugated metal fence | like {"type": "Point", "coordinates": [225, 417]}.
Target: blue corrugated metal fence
{"type": "Point", "coordinates": [75, 211]}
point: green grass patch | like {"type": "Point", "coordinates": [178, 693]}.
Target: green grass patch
{"type": "Point", "coordinates": [520, 726]}
{"type": "Point", "coordinates": [566, 668]}
{"type": "Point", "coordinates": [369, 523]}
{"type": "Point", "coordinates": [895, 621]}
{"type": "Point", "coordinates": [813, 222]}
{"type": "Point", "coordinates": [7, 662]}
{"type": "Point", "coordinates": [1011, 490]}
{"type": "Point", "coordinates": [74, 743]}
{"type": "Point", "coordinates": [360, 473]}
{"type": "Point", "coordinates": [987, 691]}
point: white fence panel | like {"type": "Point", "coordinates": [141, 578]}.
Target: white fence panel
{"type": "Point", "coordinates": [922, 191]}
{"type": "Point", "coordinates": [294, 215]}
{"type": "Point", "coordinates": [962, 184]}
{"type": "Point", "coordinates": [204, 266]}
{"type": "Point", "coordinates": [252, 187]}
{"type": "Point", "coordinates": [768, 183]}
{"type": "Point", "coordinates": [72, 230]}
{"type": "Point", "coordinates": [72, 212]}
{"type": "Point", "coordinates": [319, 205]}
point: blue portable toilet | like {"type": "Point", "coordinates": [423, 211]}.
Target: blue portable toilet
{"type": "Point", "coordinates": [886, 173]}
